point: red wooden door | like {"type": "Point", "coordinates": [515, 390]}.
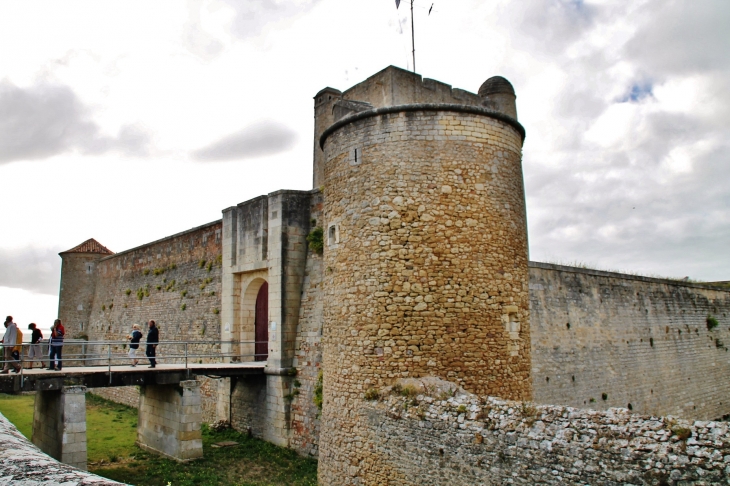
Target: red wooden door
{"type": "Point", "coordinates": [262, 323]}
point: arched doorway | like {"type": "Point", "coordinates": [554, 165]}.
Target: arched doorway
{"type": "Point", "coordinates": [261, 325]}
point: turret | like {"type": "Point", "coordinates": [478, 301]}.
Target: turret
{"type": "Point", "coordinates": [498, 94]}
{"type": "Point", "coordinates": [426, 257]}
{"type": "Point", "coordinates": [78, 284]}
{"type": "Point", "coordinates": [324, 102]}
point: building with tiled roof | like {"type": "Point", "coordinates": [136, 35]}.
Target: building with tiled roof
{"type": "Point", "coordinates": [89, 246]}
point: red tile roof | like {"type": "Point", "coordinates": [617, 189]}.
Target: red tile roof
{"type": "Point", "coordinates": [89, 246]}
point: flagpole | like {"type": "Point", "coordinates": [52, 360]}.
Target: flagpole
{"type": "Point", "coordinates": [413, 38]}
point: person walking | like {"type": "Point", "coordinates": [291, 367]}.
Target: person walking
{"type": "Point", "coordinates": [56, 345]}
{"type": "Point", "coordinates": [9, 341]}
{"type": "Point", "coordinates": [34, 351]}
{"type": "Point", "coordinates": [153, 337]}
{"type": "Point", "coordinates": [134, 339]}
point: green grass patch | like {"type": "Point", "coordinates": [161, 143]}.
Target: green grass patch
{"type": "Point", "coordinates": [112, 430]}
{"type": "Point", "coordinates": [251, 463]}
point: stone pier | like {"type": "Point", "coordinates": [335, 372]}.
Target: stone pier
{"type": "Point", "coordinates": [169, 420]}
{"type": "Point", "coordinates": [59, 424]}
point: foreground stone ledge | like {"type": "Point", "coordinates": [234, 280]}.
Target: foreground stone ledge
{"type": "Point", "coordinates": [438, 434]}
{"type": "Point", "coordinates": [23, 463]}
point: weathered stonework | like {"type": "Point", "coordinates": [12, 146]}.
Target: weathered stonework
{"type": "Point", "coordinates": [448, 438]}
{"type": "Point", "coordinates": [427, 266]}
{"type": "Point", "coordinates": [601, 340]}
{"type": "Point", "coordinates": [59, 424]}
{"type": "Point", "coordinates": [169, 420]}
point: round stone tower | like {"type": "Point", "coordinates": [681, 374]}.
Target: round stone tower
{"type": "Point", "coordinates": [426, 264]}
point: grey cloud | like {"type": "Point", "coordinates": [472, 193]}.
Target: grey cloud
{"type": "Point", "coordinates": [551, 25]}
{"type": "Point", "coordinates": [252, 16]}
{"type": "Point", "coordinates": [682, 37]}
{"type": "Point", "coordinates": [49, 119]}
{"type": "Point", "coordinates": [34, 269]}
{"type": "Point", "coordinates": [262, 139]}
{"type": "Point", "coordinates": [620, 207]}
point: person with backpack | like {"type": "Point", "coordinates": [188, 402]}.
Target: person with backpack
{"type": "Point", "coordinates": [134, 339]}
{"type": "Point", "coordinates": [34, 351]}
{"type": "Point", "coordinates": [56, 345]}
{"type": "Point", "coordinates": [9, 343]}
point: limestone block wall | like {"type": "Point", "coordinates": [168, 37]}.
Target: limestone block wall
{"type": "Point", "coordinates": [602, 339]}
{"type": "Point", "coordinates": [169, 420]}
{"type": "Point", "coordinates": [59, 424]}
{"type": "Point", "coordinates": [427, 264]}
{"type": "Point", "coordinates": [24, 463]}
{"type": "Point", "coordinates": [175, 281]}
{"type": "Point", "coordinates": [248, 405]}
{"type": "Point", "coordinates": [466, 439]}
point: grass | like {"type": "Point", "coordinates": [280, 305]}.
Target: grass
{"type": "Point", "coordinates": [111, 428]}
{"type": "Point", "coordinates": [111, 432]}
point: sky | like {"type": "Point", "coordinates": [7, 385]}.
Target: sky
{"type": "Point", "coordinates": [130, 121]}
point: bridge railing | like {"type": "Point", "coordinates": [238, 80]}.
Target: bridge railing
{"type": "Point", "coordinates": [76, 353]}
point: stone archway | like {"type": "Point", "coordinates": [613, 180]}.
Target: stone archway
{"type": "Point", "coordinates": [254, 323]}
{"type": "Point", "coordinates": [261, 323]}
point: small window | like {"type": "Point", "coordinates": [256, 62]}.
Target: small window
{"type": "Point", "coordinates": [333, 235]}
{"type": "Point", "coordinates": [356, 156]}
{"type": "Point", "coordinates": [89, 267]}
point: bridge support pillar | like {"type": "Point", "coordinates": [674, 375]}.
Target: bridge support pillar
{"type": "Point", "coordinates": [169, 420]}
{"type": "Point", "coordinates": [59, 424]}
{"type": "Point", "coordinates": [278, 407]}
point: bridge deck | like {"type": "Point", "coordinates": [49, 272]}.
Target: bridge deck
{"type": "Point", "coordinates": [122, 375]}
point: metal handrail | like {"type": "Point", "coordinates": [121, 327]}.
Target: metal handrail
{"type": "Point", "coordinates": [86, 356]}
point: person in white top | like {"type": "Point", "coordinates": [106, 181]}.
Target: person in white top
{"type": "Point", "coordinates": [9, 342]}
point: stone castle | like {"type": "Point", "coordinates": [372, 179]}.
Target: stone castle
{"type": "Point", "coordinates": [408, 259]}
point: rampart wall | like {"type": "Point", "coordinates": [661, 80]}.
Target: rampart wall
{"type": "Point", "coordinates": [441, 437]}
{"type": "Point", "coordinates": [176, 281]}
{"type": "Point", "coordinates": [602, 339]}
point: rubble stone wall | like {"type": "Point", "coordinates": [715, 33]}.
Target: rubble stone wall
{"type": "Point", "coordinates": [466, 439]}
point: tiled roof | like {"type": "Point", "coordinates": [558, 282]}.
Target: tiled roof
{"type": "Point", "coordinates": [90, 246]}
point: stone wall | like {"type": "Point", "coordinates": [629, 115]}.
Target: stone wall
{"type": "Point", "coordinates": [59, 424]}
{"type": "Point", "coordinates": [23, 463]}
{"type": "Point", "coordinates": [308, 358]}
{"type": "Point", "coordinates": [170, 418]}
{"type": "Point", "coordinates": [602, 339]}
{"type": "Point", "coordinates": [76, 295]}
{"type": "Point", "coordinates": [431, 437]}
{"type": "Point", "coordinates": [426, 262]}
{"type": "Point", "coordinates": [177, 282]}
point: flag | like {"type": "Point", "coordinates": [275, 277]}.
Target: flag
{"type": "Point", "coordinates": [397, 3]}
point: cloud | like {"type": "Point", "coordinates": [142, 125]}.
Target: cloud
{"type": "Point", "coordinates": [624, 166]}
{"type": "Point", "coordinates": [260, 140]}
{"type": "Point", "coordinates": [45, 120]}
{"type": "Point", "coordinates": [252, 16]}
{"type": "Point", "coordinates": [31, 268]}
